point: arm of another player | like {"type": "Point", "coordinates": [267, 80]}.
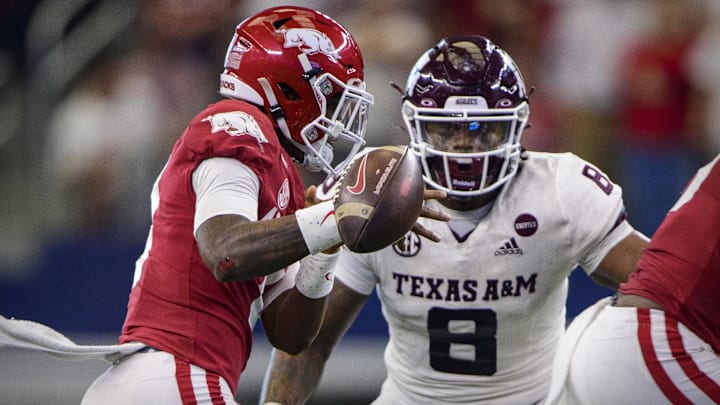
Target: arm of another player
{"type": "Point", "coordinates": [292, 379]}
{"type": "Point", "coordinates": [620, 261]}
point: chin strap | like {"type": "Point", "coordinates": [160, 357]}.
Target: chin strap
{"type": "Point", "coordinates": [308, 72]}
{"type": "Point", "coordinates": [275, 110]}
{"type": "Point", "coordinates": [309, 162]}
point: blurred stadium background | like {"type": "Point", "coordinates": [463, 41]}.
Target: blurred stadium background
{"type": "Point", "coordinates": [93, 93]}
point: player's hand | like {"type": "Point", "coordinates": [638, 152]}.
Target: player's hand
{"type": "Point", "coordinates": [311, 197]}
{"type": "Point", "coordinates": [426, 212]}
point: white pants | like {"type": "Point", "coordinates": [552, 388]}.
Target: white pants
{"type": "Point", "coordinates": [639, 356]}
{"type": "Point", "coordinates": [157, 378]}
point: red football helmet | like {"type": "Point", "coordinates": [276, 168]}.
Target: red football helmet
{"type": "Point", "coordinates": [307, 72]}
{"type": "Point", "coordinates": [465, 109]}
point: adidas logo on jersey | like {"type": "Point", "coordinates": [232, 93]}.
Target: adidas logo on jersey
{"type": "Point", "coordinates": [509, 248]}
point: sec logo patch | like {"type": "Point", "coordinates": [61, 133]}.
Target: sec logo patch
{"type": "Point", "coordinates": [409, 245]}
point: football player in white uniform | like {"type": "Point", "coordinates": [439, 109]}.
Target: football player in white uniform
{"type": "Point", "coordinates": [477, 317]}
{"type": "Point", "coordinates": [658, 341]}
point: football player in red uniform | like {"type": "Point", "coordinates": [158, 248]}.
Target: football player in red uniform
{"type": "Point", "coordinates": [658, 343]}
{"type": "Point", "coordinates": [231, 240]}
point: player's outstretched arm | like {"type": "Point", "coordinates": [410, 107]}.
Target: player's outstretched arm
{"type": "Point", "coordinates": [235, 248]}
{"type": "Point", "coordinates": [292, 379]}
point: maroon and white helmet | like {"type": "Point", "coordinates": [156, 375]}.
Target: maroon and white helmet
{"type": "Point", "coordinates": [465, 108]}
{"type": "Point", "coordinates": [306, 71]}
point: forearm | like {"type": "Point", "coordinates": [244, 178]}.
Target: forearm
{"type": "Point", "coordinates": [292, 379]}
{"type": "Point", "coordinates": [297, 313]}
{"type": "Point", "coordinates": [235, 248]}
{"type": "Point", "coordinates": [604, 281]}
{"type": "Point", "coordinates": [620, 261]}
{"type": "Point", "coordinates": [301, 309]}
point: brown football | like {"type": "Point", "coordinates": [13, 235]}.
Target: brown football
{"type": "Point", "coordinates": [379, 198]}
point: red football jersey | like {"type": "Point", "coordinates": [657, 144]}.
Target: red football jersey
{"type": "Point", "coordinates": [176, 304]}
{"type": "Point", "coordinates": [680, 267]}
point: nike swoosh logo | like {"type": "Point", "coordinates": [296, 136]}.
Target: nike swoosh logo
{"type": "Point", "coordinates": [328, 215]}
{"type": "Point", "coordinates": [359, 185]}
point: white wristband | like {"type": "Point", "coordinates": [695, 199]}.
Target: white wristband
{"type": "Point", "coordinates": [318, 227]}
{"type": "Point", "coordinates": [315, 276]}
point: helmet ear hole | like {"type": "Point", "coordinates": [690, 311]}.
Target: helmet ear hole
{"type": "Point", "coordinates": [279, 23]}
{"type": "Point", "coordinates": [288, 92]}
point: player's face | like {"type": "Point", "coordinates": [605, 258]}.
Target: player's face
{"type": "Point", "coordinates": [466, 137]}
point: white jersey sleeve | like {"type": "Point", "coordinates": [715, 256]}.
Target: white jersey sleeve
{"type": "Point", "coordinates": [227, 186]}
{"type": "Point", "coordinates": [354, 271]}
{"type": "Point", "coordinates": [224, 186]}
{"type": "Point", "coordinates": [591, 212]}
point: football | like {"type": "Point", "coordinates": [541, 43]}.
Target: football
{"type": "Point", "coordinates": [379, 198]}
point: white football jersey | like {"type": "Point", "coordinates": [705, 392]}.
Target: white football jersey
{"type": "Point", "coordinates": [479, 319]}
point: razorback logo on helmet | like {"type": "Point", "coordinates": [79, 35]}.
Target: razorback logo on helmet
{"type": "Point", "coordinates": [309, 41]}
{"type": "Point", "coordinates": [236, 123]}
